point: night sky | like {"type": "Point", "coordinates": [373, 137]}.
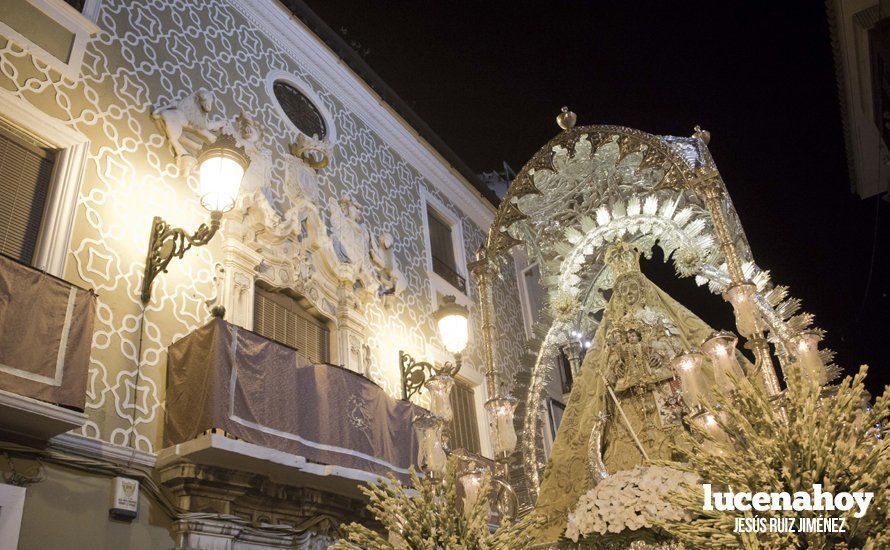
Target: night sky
{"type": "Point", "coordinates": [489, 79]}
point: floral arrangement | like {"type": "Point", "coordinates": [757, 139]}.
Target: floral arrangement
{"type": "Point", "coordinates": [630, 499]}
{"type": "Point", "coordinates": [831, 436]}
{"type": "Point", "coordinates": [430, 516]}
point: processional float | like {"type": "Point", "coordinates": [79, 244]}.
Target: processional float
{"type": "Point", "coordinates": [583, 208]}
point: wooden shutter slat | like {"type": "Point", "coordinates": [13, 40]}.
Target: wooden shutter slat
{"type": "Point", "coordinates": [281, 318]}
{"type": "Point", "coordinates": [464, 425]}
{"type": "Point", "coordinates": [25, 177]}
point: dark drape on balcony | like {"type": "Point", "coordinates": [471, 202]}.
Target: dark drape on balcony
{"type": "Point", "coordinates": [221, 376]}
{"type": "Point", "coordinates": [46, 328]}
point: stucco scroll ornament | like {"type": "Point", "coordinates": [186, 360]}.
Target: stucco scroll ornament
{"type": "Point", "coordinates": [313, 151]}
{"type": "Point", "coordinates": [301, 182]}
{"type": "Point", "coordinates": [188, 123]}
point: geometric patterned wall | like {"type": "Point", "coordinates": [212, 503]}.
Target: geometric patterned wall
{"type": "Point", "coordinates": [152, 53]}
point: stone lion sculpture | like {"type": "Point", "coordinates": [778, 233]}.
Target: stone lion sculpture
{"type": "Point", "coordinates": [192, 114]}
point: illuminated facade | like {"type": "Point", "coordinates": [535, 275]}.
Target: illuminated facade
{"type": "Point", "coordinates": [348, 230]}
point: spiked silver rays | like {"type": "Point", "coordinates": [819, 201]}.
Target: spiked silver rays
{"type": "Point", "coordinates": [593, 185]}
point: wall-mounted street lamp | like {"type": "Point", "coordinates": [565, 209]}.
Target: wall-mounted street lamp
{"type": "Point", "coordinates": [221, 167]}
{"type": "Point", "coordinates": [453, 327]}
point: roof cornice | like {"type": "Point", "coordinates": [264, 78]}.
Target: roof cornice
{"type": "Point", "coordinates": [306, 48]}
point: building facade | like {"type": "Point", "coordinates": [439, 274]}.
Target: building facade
{"type": "Point", "coordinates": [348, 230]}
{"type": "Point", "coordinates": [860, 36]}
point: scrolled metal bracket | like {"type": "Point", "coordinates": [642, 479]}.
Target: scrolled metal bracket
{"type": "Point", "coordinates": [416, 373]}
{"type": "Point", "coordinates": [166, 243]}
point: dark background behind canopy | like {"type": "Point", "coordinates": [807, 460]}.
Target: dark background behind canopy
{"type": "Point", "coordinates": [489, 78]}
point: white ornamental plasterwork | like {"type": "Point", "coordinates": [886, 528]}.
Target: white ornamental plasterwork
{"type": "Point", "coordinates": [153, 56]}
{"type": "Point", "coordinates": [190, 116]}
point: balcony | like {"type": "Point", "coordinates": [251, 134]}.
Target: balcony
{"type": "Point", "coordinates": [46, 328]}
{"type": "Point", "coordinates": [443, 269]}
{"type": "Point", "coordinates": [240, 406]}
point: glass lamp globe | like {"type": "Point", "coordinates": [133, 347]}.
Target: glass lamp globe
{"type": "Point", "coordinates": [221, 167]}
{"type": "Point", "coordinates": [451, 320]}
{"type": "Point", "coordinates": [688, 368]}
{"type": "Point", "coordinates": [805, 347]}
{"type": "Point", "coordinates": [471, 483]}
{"type": "Point", "coordinates": [720, 348]}
{"type": "Point", "coordinates": [500, 417]}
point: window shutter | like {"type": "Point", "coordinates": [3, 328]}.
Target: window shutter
{"type": "Point", "coordinates": [464, 425]}
{"type": "Point", "coordinates": [442, 250]}
{"type": "Point", "coordinates": [25, 176]}
{"type": "Point", "coordinates": [441, 244]}
{"type": "Point", "coordinates": [280, 317]}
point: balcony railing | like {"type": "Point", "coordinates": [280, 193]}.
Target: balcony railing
{"type": "Point", "coordinates": [452, 277]}
{"type": "Point", "coordinates": [262, 393]}
{"type": "Point", "coordinates": [46, 329]}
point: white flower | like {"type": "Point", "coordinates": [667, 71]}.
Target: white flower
{"type": "Point", "coordinates": [630, 499]}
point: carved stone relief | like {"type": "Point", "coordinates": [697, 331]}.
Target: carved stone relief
{"type": "Point", "coordinates": [186, 120]}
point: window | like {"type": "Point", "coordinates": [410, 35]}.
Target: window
{"type": "Point", "coordinates": [535, 294]}
{"type": "Point", "coordinates": [465, 424]}
{"type": "Point", "coordinates": [281, 318]}
{"type": "Point", "coordinates": [26, 171]}
{"type": "Point", "coordinates": [565, 370]}
{"type": "Point", "coordinates": [55, 31]}
{"type": "Point", "coordinates": [299, 110]}
{"type": "Point", "coordinates": [442, 250]}
{"type": "Point", "coordinates": [555, 412]}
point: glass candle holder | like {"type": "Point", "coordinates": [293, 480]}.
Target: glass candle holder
{"type": "Point", "coordinates": [688, 367]}
{"type": "Point", "coordinates": [805, 346]}
{"type": "Point", "coordinates": [471, 482]}
{"type": "Point", "coordinates": [431, 452]}
{"type": "Point", "coordinates": [720, 349]}
{"type": "Point", "coordinates": [500, 416]}
{"type": "Point", "coordinates": [439, 387]}
{"type": "Point", "coordinates": [708, 422]}
{"type": "Point", "coordinates": [741, 297]}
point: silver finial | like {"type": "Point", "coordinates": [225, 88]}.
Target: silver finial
{"type": "Point", "coordinates": [703, 135]}
{"type": "Point", "coordinates": [566, 119]}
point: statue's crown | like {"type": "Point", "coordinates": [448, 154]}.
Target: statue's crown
{"type": "Point", "coordinates": [623, 258]}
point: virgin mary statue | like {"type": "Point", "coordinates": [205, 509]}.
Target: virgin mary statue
{"type": "Point", "coordinates": [625, 406]}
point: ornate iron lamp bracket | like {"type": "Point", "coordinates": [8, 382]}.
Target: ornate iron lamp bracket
{"type": "Point", "coordinates": [416, 373]}
{"type": "Point", "coordinates": [166, 243]}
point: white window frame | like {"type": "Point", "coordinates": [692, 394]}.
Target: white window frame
{"type": "Point", "coordinates": [82, 25]}
{"type": "Point", "coordinates": [520, 260]}
{"type": "Point", "coordinates": [12, 504]}
{"type": "Point", "coordinates": [528, 315]}
{"type": "Point", "coordinates": [73, 148]}
{"type": "Point", "coordinates": [438, 285]}
{"type": "Point", "coordinates": [547, 418]}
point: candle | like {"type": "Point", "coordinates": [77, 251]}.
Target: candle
{"type": "Point", "coordinates": [688, 367]}
{"type": "Point", "coordinates": [500, 411]}
{"type": "Point", "coordinates": [430, 453]}
{"type": "Point", "coordinates": [805, 346]}
{"type": "Point", "coordinates": [742, 299]}
{"type": "Point", "coordinates": [720, 349]}
{"type": "Point", "coordinates": [713, 429]}
{"type": "Point", "coordinates": [472, 484]}
{"type": "Point", "coordinates": [439, 387]}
